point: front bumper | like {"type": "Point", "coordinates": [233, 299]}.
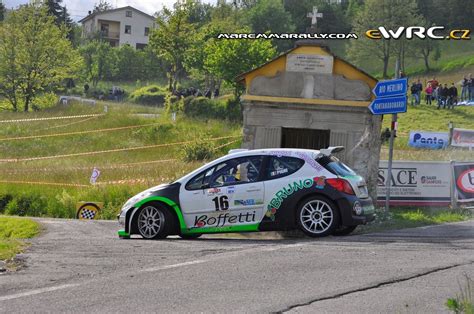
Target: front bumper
{"type": "Point", "coordinates": [348, 214]}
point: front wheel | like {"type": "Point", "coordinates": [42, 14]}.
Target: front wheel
{"type": "Point", "coordinates": [153, 221]}
{"type": "Point", "coordinates": [317, 217]}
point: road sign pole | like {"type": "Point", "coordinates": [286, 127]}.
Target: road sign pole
{"type": "Point", "coordinates": [388, 182]}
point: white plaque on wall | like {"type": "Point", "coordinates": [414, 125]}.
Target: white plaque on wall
{"type": "Point", "coordinates": [309, 63]}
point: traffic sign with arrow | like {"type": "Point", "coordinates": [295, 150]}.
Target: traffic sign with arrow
{"type": "Point", "coordinates": [391, 88]}
{"type": "Point", "coordinates": [388, 105]}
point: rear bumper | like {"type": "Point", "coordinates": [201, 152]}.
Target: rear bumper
{"type": "Point", "coordinates": [349, 216]}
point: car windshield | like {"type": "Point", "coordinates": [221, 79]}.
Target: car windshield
{"type": "Point", "coordinates": [335, 166]}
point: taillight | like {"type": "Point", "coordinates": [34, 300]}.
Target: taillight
{"type": "Point", "coordinates": [341, 185]}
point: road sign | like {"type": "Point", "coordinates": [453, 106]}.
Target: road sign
{"type": "Point", "coordinates": [389, 105]}
{"type": "Point", "coordinates": [391, 88]}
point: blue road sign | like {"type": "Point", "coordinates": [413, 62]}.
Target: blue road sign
{"type": "Point", "coordinates": [391, 88]}
{"type": "Point", "coordinates": [389, 105]}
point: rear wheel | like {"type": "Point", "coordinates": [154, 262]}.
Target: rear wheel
{"type": "Point", "coordinates": [153, 222]}
{"type": "Point", "coordinates": [317, 217]}
{"type": "Point", "coordinates": [344, 230]}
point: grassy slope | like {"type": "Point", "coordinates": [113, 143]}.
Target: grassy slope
{"type": "Point", "coordinates": [59, 201]}
{"type": "Point", "coordinates": [12, 230]}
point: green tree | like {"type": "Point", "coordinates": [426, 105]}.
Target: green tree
{"type": "Point", "coordinates": [271, 16]}
{"type": "Point", "coordinates": [172, 40]}
{"type": "Point", "coordinates": [35, 55]}
{"type": "Point", "coordinates": [102, 6]}
{"type": "Point", "coordinates": [99, 61]}
{"type": "Point", "coordinates": [61, 15]}
{"type": "Point", "coordinates": [2, 11]}
{"type": "Point", "coordinates": [391, 14]}
{"type": "Point", "coordinates": [227, 58]}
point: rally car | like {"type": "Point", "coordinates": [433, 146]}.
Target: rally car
{"type": "Point", "coordinates": [254, 190]}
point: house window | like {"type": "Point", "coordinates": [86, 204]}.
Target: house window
{"type": "Point", "coordinates": [147, 31]}
{"type": "Point", "coordinates": [128, 13]}
{"type": "Point", "coordinates": [128, 29]}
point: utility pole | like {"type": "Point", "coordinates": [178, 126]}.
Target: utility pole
{"type": "Point", "coordinates": [388, 182]}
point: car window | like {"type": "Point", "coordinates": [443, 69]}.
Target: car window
{"type": "Point", "coordinates": [233, 171]}
{"type": "Point", "coordinates": [278, 167]}
{"type": "Point", "coordinates": [335, 166]}
{"type": "Point", "coordinates": [237, 171]}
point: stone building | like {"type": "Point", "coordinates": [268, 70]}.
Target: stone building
{"type": "Point", "coordinates": [310, 98]}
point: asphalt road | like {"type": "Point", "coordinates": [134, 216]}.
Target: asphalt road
{"type": "Point", "coordinates": [77, 266]}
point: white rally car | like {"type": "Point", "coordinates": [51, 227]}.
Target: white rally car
{"type": "Point", "coordinates": [254, 190]}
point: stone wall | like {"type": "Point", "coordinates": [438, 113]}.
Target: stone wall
{"type": "Point", "coordinates": [355, 128]}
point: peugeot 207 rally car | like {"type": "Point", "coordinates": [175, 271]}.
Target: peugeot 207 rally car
{"type": "Point", "coordinates": [254, 190]}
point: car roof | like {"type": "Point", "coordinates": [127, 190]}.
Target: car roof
{"type": "Point", "coordinates": [270, 151]}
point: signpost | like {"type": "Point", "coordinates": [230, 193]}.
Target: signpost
{"type": "Point", "coordinates": [390, 98]}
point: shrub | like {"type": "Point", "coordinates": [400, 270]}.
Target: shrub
{"type": "Point", "coordinates": [200, 150]}
{"type": "Point", "coordinates": [154, 95]}
{"type": "Point", "coordinates": [32, 204]}
{"type": "Point", "coordinates": [202, 107]}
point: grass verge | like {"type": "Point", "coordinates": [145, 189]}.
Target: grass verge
{"type": "Point", "coordinates": [399, 218]}
{"type": "Point", "coordinates": [12, 231]}
{"type": "Point", "coordinates": [464, 301]}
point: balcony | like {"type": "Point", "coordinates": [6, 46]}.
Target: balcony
{"type": "Point", "coordinates": [110, 35]}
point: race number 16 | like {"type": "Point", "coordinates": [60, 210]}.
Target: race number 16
{"type": "Point", "coordinates": [221, 203]}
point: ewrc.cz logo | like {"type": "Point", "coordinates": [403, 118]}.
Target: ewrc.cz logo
{"type": "Point", "coordinates": [418, 31]}
{"type": "Point", "coordinates": [222, 219]}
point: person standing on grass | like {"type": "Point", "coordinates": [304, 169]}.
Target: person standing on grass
{"type": "Point", "coordinates": [442, 96]}
{"type": "Point", "coordinates": [464, 88]}
{"type": "Point", "coordinates": [419, 88]}
{"type": "Point", "coordinates": [429, 94]}
{"type": "Point", "coordinates": [470, 83]}
{"type": "Point", "coordinates": [414, 93]}
{"type": "Point", "coordinates": [453, 96]}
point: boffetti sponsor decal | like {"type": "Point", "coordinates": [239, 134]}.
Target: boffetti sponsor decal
{"type": "Point", "coordinates": [416, 183]}
{"type": "Point", "coordinates": [432, 140]}
{"type": "Point", "coordinates": [464, 176]}
{"type": "Point", "coordinates": [223, 218]}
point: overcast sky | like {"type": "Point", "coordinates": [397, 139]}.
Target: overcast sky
{"type": "Point", "coordinates": [78, 8]}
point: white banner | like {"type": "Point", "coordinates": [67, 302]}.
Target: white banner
{"type": "Point", "coordinates": [463, 138]}
{"type": "Point", "coordinates": [416, 182]}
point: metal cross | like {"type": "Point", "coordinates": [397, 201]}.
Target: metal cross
{"type": "Point", "coordinates": [314, 16]}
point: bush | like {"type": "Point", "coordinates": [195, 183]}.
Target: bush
{"type": "Point", "coordinates": [202, 107]}
{"type": "Point", "coordinates": [198, 151]}
{"type": "Point", "coordinates": [153, 95]}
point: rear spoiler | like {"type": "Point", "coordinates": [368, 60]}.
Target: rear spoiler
{"type": "Point", "coordinates": [330, 150]}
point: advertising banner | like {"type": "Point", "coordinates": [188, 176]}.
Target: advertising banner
{"type": "Point", "coordinates": [423, 183]}
{"type": "Point", "coordinates": [464, 181]}
{"type": "Point", "coordinates": [463, 138]}
{"type": "Point", "coordinates": [430, 140]}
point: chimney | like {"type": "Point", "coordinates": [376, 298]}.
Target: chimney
{"type": "Point", "coordinates": [89, 13]}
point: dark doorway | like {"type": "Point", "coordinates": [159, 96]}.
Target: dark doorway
{"type": "Point", "coordinates": [305, 138]}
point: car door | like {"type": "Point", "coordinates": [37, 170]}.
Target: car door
{"type": "Point", "coordinates": [227, 194]}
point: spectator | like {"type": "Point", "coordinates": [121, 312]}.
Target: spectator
{"type": "Point", "coordinates": [471, 88]}
{"type": "Point", "coordinates": [429, 94]}
{"type": "Point", "coordinates": [453, 96]}
{"type": "Point", "coordinates": [464, 89]}
{"type": "Point", "coordinates": [434, 83]}
{"type": "Point", "coordinates": [414, 93]}
{"type": "Point", "coordinates": [216, 92]}
{"type": "Point", "coordinates": [419, 88]}
{"type": "Point", "coordinates": [443, 92]}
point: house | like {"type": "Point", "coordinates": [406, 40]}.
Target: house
{"type": "Point", "coordinates": [119, 26]}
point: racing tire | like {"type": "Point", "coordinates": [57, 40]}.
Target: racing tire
{"type": "Point", "coordinates": [190, 236]}
{"type": "Point", "coordinates": [317, 217]}
{"type": "Point", "coordinates": [343, 230]}
{"type": "Point", "coordinates": [154, 221]}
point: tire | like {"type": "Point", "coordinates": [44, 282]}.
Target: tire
{"type": "Point", "coordinates": [317, 216]}
{"type": "Point", "coordinates": [190, 236]}
{"type": "Point", "coordinates": [343, 230]}
{"type": "Point", "coordinates": [153, 221]}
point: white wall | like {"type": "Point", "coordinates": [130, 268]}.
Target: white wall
{"type": "Point", "coordinates": [138, 22]}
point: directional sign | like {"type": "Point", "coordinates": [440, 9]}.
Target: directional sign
{"type": "Point", "coordinates": [391, 88]}
{"type": "Point", "coordinates": [389, 105]}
